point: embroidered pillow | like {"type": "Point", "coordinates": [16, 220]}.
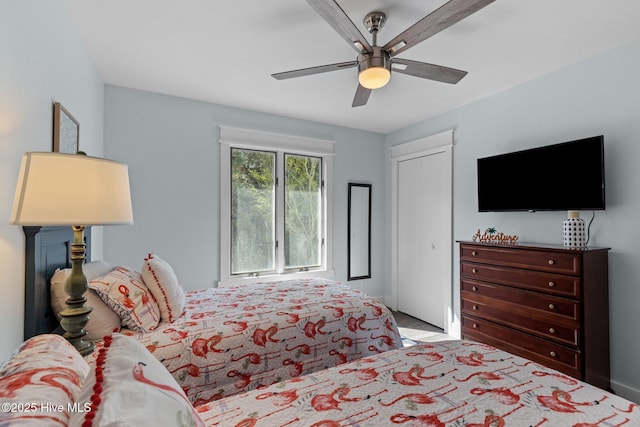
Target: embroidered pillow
{"type": "Point", "coordinates": [163, 284]}
{"type": "Point", "coordinates": [129, 386]}
{"type": "Point", "coordinates": [40, 383]}
{"type": "Point", "coordinates": [123, 290]}
{"type": "Point", "coordinates": [102, 320]}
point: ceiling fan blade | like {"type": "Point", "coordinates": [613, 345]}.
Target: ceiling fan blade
{"type": "Point", "coordinates": [362, 96]}
{"type": "Point", "coordinates": [314, 70]}
{"type": "Point", "coordinates": [331, 12]}
{"type": "Point", "coordinates": [441, 18]}
{"type": "Point", "coordinates": [427, 71]}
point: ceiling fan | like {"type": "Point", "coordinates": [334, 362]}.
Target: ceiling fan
{"type": "Point", "coordinates": [376, 62]}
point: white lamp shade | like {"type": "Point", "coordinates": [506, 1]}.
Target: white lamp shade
{"type": "Point", "coordinates": [71, 189]}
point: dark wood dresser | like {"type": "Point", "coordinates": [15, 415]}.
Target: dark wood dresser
{"type": "Point", "coordinates": [543, 302]}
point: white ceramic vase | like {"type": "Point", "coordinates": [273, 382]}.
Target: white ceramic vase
{"type": "Point", "coordinates": [573, 230]}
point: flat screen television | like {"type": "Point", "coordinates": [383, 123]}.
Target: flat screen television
{"type": "Point", "coordinates": [559, 177]}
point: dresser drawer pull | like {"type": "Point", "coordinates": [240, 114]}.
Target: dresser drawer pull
{"type": "Point", "coordinates": [473, 288]}
{"type": "Point", "coordinates": [551, 284]}
{"type": "Point", "coordinates": [552, 353]}
{"type": "Point", "coordinates": [551, 262]}
{"type": "Point", "coordinates": [475, 326]}
{"type": "Point", "coordinates": [552, 331]}
{"type": "Point", "coordinates": [552, 307]}
{"type": "Point", "coordinates": [474, 253]}
{"type": "Point", "coordinates": [475, 307]}
{"type": "Point", "coordinates": [474, 270]}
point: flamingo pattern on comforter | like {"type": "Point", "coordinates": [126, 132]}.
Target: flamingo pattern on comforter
{"type": "Point", "coordinates": [230, 340]}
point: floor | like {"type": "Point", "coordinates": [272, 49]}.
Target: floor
{"type": "Point", "coordinates": [415, 330]}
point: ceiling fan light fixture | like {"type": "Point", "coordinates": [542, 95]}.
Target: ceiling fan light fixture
{"type": "Point", "coordinates": [374, 77]}
{"type": "Point", "coordinates": [374, 69]}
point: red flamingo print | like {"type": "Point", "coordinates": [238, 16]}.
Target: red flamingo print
{"type": "Point", "coordinates": [413, 376]}
{"type": "Point", "coordinates": [236, 326]}
{"type": "Point", "coordinates": [342, 357]}
{"type": "Point", "coordinates": [629, 409]}
{"type": "Point", "coordinates": [329, 401]}
{"type": "Point", "coordinates": [175, 335]}
{"type": "Point", "coordinates": [562, 378]}
{"type": "Point", "coordinates": [474, 359]}
{"type": "Point", "coordinates": [285, 397]}
{"type": "Point", "coordinates": [290, 318]}
{"type": "Point", "coordinates": [346, 341]}
{"type": "Point", "coordinates": [262, 336]}
{"type": "Point", "coordinates": [355, 323]}
{"type": "Point", "coordinates": [243, 379]}
{"type": "Point", "coordinates": [428, 420]}
{"type": "Point", "coordinates": [295, 368]}
{"type": "Point", "coordinates": [253, 358]}
{"type": "Point", "coordinates": [430, 356]}
{"type": "Point", "coordinates": [599, 422]}
{"type": "Point", "coordinates": [300, 349]}
{"type": "Point", "coordinates": [138, 375]}
{"type": "Point", "coordinates": [311, 328]}
{"type": "Point", "coordinates": [375, 309]}
{"type": "Point", "coordinates": [493, 420]}
{"type": "Point", "coordinates": [421, 398]}
{"type": "Point", "coordinates": [128, 302]}
{"type": "Point", "coordinates": [9, 384]}
{"type": "Point", "coordinates": [503, 395]}
{"type": "Point", "coordinates": [560, 401]}
{"type": "Point", "coordinates": [484, 376]}
{"type": "Point", "coordinates": [385, 339]}
{"type": "Point", "coordinates": [362, 373]}
{"type": "Point", "coordinates": [337, 312]}
{"type": "Point", "coordinates": [202, 346]}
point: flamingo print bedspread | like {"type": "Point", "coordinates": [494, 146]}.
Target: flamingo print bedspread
{"type": "Point", "coordinates": [451, 383]}
{"type": "Point", "coordinates": [230, 340]}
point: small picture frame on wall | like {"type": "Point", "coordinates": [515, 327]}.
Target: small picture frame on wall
{"type": "Point", "coordinates": [66, 130]}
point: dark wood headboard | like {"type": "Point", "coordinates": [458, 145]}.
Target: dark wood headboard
{"type": "Point", "coordinates": [46, 249]}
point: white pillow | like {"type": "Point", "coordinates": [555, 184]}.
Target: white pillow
{"type": "Point", "coordinates": [128, 386]}
{"type": "Point", "coordinates": [102, 320]}
{"type": "Point", "coordinates": [161, 280]}
{"type": "Point", "coordinates": [124, 291]}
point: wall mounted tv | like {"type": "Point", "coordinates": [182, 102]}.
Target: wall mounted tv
{"type": "Point", "coordinates": [559, 177]}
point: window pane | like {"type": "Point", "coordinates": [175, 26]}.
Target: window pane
{"type": "Point", "coordinates": [252, 211]}
{"type": "Point", "coordinates": [303, 211]}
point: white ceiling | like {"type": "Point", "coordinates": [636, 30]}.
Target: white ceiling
{"type": "Point", "coordinates": [224, 52]}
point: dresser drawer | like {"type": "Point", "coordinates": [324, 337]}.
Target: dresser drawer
{"type": "Point", "coordinates": [556, 356]}
{"type": "Point", "coordinates": [556, 284]}
{"type": "Point", "coordinates": [555, 262]}
{"type": "Point", "coordinates": [523, 319]}
{"type": "Point", "coordinates": [547, 306]}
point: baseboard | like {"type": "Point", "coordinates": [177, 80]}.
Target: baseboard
{"type": "Point", "coordinates": [625, 391]}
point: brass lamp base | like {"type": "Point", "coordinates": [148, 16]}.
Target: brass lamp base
{"type": "Point", "coordinates": [76, 315]}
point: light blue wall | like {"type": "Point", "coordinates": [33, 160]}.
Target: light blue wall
{"type": "Point", "coordinates": [42, 60]}
{"type": "Point", "coordinates": [597, 96]}
{"type": "Point", "coordinates": [171, 147]}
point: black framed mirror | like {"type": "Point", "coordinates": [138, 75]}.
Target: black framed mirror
{"type": "Point", "coordinates": [359, 232]}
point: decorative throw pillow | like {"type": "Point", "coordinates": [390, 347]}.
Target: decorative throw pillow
{"type": "Point", "coordinates": [40, 383]}
{"type": "Point", "coordinates": [123, 290]}
{"type": "Point", "coordinates": [164, 286]}
{"type": "Point", "coordinates": [102, 320]}
{"type": "Point", "coordinates": [128, 386]}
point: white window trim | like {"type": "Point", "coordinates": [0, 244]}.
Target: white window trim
{"type": "Point", "coordinates": [245, 138]}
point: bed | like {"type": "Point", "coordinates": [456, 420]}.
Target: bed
{"type": "Point", "coordinates": [230, 340]}
{"type": "Point", "coordinates": [449, 383]}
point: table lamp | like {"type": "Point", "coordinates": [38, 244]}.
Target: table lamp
{"type": "Point", "coordinates": [56, 189]}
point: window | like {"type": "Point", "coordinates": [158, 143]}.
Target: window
{"type": "Point", "coordinates": [275, 207]}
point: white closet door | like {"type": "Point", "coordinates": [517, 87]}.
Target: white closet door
{"type": "Point", "coordinates": [424, 235]}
